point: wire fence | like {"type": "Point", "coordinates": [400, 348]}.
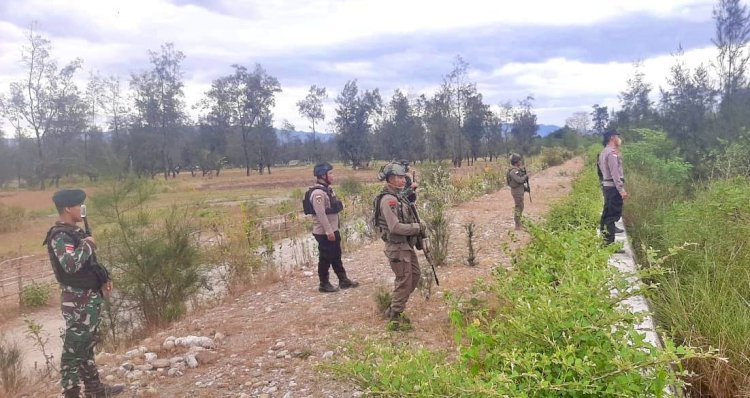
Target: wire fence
{"type": "Point", "coordinates": [17, 273]}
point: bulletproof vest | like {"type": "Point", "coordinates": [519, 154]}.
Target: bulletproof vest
{"type": "Point", "coordinates": [91, 276]}
{"type": "Point", "coordinates": [403, 211]}
{"type": "Point", "coordinates": [336, 205]}
{"type": "Point", "coordinates": [509, 180]}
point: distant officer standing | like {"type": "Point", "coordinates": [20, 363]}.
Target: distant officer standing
{"type": "Point", "coordinates": [399, 230]}
{"type": "Point", "coordinates": [326, 206]}
{"type": "Point", "coordinates": [613, 184]}
{"type": "Point", "coordinates": [83, 282]}
{"type": "Point", "coordinates": [516, 178]}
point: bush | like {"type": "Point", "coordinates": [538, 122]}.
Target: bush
{"type": "Point", "coordinates": [35, 295]}
{"type": "Point", "coordinates": [156, 262]}
{"type": "Point", "coordinates": [11, 218]}
{"type": "Point", "coordinates": [554, 156]}
{"type": "Point", "coordinates": [11, 368]}
{"type": "Point", "coordinates": [351, 187]}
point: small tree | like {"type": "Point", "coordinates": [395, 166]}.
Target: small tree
{"type": "Point", "coordinates": [155, 260]}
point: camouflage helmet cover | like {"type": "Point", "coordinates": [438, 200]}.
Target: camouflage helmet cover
{"type": "Point", "coordinates": [391, 169]}
{"type": "Point", "coordinates": [515, 158]}
{"type": "Point", "coordinates": [321, 169]}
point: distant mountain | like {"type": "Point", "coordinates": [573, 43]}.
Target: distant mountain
{"type": "Point", "coordinates": [546, 129]}
{"type": "Point", "coordinates": [303, 136]}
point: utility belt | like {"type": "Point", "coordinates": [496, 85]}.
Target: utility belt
{"type": "Point", "coordinates": [398, 239]}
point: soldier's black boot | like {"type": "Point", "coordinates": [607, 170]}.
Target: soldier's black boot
{"type": "Point", "coordinates": [74, 392]}
{"type": "Point", "coordinates": [346, 283]}
{"type": "Point", "coordinates": [326, 287]}
{"type": "Point", "coordinates": [99, 390]}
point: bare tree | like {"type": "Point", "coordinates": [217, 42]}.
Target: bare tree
{"type": "Point", "coordinates": [580, 122]}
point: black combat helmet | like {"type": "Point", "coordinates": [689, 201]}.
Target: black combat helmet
{"type": "Point", "coordinates": [321, 169]}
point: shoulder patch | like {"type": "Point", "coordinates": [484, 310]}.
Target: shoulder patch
{"type": "Point", "coordinates": [392, 202]}
{"type": "Point", "coordinates": [318, 199]}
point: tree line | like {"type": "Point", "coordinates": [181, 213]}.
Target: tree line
{"type": "Point", "coordinates": [141, 126]}
{"type": "Point", "coordinates": [706, 115]}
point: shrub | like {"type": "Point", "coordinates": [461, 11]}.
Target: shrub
{"type": "Point", "coordinates": [11, 368]}
{"type": "Point", "coordinates": [35, 295]}
{"type": "Point", "coordinates": [554, 156]}
{"type": "Point", "coordinates": [11, 218]}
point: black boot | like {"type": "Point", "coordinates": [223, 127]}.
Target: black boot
{"type": "Point", "coordinates": [347, 283]}
{"type": "Point", "coordinates": [326, 287]}
{"type": "Point", "coordinates": [100, 390]}
{"type": "Point", "coordinates": [74, 392]}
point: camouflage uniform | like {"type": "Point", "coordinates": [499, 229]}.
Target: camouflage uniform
{"type": "Point", "coordinates": [399, 229]}
{"type": "Point", "coordinates": [81, 278]}
{"type": "Point", "coordinates": [515, 179]}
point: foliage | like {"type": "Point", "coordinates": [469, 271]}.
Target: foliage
{"type": "Point", "coordinates": [353, 122]}
{"type": "Point", "coordinates": [11, 368]}
{"type": "Point", "coordinates": [35, 294]}
{"type": "Point", "coordinates": [652, 154]}
{"type": "Point", "coordinates": [551, 327]}
{"type": "Point", "coordinates": [11, 218]}
{"type": "Point", "coordinates": [554, 156]}
{"type": "Point", "coordinates": [436, 192]}
{"type": "Point", "coordinates": [156, 261]}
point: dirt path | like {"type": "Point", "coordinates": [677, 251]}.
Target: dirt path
{"type": "Point", "coordinates": [292, 316]}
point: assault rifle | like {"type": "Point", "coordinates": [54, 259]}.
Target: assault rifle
{"type": "Point", "coordinates": [423, 243]}
{"type": "Point", "coordinates": [526, 184]}
{"type": "Point", "coordinates": [101, 272]}
{"type": "Point", "coordinates": [86, 227]}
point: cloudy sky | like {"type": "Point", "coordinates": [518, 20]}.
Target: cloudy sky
{"type": "Point", "coordinates": [568, 54]}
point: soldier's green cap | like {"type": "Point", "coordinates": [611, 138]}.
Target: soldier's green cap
{"type": "Point", "coordinates": [69, 197]}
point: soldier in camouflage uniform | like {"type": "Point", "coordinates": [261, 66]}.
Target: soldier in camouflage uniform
{"type": "Point", "coordinates": [83, 282]}
{"type": "Point", "coordinates": [399, 229]}
{"type": "Point", "coordinates": [516, 178]}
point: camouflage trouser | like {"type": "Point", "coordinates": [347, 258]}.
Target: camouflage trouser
{"type": "Point", "coordinates": [406, 268]}
{"type": "Point", "coordinates": [517, 194]}
{"type": "Point", "coordinates": [81, 312]}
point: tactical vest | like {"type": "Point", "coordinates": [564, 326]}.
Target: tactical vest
{"type": "Point", "coordinates": [509, 180]}
{"type": "Point", "coordinates": [336, 205]}
{"type": "Point", "coordinates": [91, 276]}
{"type": "Point", "coordinates": [403, 211]}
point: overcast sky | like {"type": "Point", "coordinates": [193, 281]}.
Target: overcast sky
{"type": "Point", "coordinates": [568, 54]}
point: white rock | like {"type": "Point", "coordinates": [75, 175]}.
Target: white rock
{"type": "Point", "coordinates": [143, 349]}
{"type": "Point", "coordinates": [136, 374]}
{"type": "Point", "coordinates": [307, 273]}
{"type": "Point", "coordinates": [191, 362]}
{"type": "Point", "coordinates": [132, 354]}
{"type": "Point", "coordinates": [219, 337]}
{"type": "Point", "coordinates": [279, 344]}
{"type": "Point", "coordinates": [282, 354]}
{"type": "Point", "coordinates": [168, 345]}
{"type": "Point", "coordinates": [175, 360]}
{"type": "Point", "coordinates": [174, 372]}
{"type": "Point", "coordinates": [328, 355]}
{"type": "Point", "coordinates": [110, 378]}
{"type": "Point", "coordinates": [150, 356]}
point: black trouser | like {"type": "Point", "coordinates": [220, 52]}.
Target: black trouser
{"type": "Point", "coordinates": [611, 213]}
{"type": "Point", "coordinates": [329, 254]}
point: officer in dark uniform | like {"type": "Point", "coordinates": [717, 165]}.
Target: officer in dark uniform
{"type": "Point", "coordinates": [83, 282]}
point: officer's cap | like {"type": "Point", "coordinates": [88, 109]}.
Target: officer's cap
{"type": "Point", "coordinates": [68, 197]}
{"type": "Point", "coordinates": [608, 135]}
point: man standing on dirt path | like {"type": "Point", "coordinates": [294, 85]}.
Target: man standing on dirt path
{"type": "Point", "coordinates": [325, 229]}
{"type": "Point", "coordinates": [399, 229]}
{"type": "Point", "coordinates": [613, 184]}
{"type": "Point", "coordinates": [516, 177]}
{"type": "Point", "coordinates": [84, 283]}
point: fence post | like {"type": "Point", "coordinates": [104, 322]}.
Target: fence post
{"type": "Point", "coordinates": [20, 283]}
